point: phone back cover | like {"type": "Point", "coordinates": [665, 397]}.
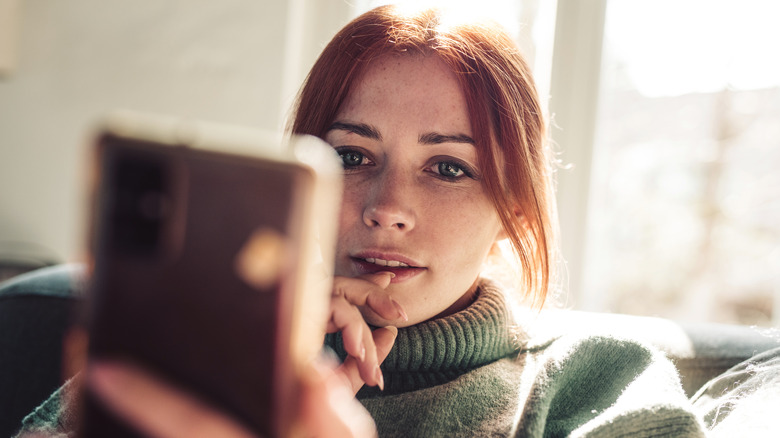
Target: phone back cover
{"type": "Point", "coordinates": [187, 309]}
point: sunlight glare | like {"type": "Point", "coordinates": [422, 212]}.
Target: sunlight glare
{"type": "Point", "coordinates": [672, 47]}
{"type": "Point", "coordinates": [504, 12]}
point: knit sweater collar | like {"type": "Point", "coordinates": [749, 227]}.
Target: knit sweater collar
{"type": "Point", "coordinates": [439, 350]}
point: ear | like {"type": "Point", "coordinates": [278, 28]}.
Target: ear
{"type": "Point", "coordinates": [502, 234]}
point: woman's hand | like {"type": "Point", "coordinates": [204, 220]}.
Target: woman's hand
{"type": "Point", "coordinates": [328, 407]}
{"type": "Point", "coordinates": [366, 349]}
{"type": "Point", "coordinates": [157, 409]}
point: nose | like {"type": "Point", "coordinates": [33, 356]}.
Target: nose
{"type": "Point", "coordinates": [389, 204]}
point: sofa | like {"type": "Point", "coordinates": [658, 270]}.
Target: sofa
{"type": "Point", "coordinates": [36, 310]}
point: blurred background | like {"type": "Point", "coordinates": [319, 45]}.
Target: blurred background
{"type": "Point", "coordinates": [665, 115]}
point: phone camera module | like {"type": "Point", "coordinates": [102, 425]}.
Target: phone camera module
{"type": "Point", "coordinates": [141, 205]}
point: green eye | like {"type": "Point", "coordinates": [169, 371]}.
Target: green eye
{"type": "Point", "coordinates": [450, 170]}
{"type": "Point", "coordinates": [351, 158]}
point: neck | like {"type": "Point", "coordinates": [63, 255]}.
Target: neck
{"type": "Point", "coordinates": [461, 303]}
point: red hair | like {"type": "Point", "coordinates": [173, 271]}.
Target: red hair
{"type": "Point", "coordinates": [506, 118]}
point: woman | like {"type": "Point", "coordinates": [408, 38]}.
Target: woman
{"type": "Point", "coordinates": [442, 138]}
{"type": "Point", "coordinates": [425, 152]}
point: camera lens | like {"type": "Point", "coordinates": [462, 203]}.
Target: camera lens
{"type": "Point", "coordinates": [140, 204]}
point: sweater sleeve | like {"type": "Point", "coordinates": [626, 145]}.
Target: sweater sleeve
{"type": "Point", "coordinates": [56, 417]}
{"type": "Point", "coordinates": [606, 387]}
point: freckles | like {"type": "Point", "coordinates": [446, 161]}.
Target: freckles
{"type": "Point", "coordinates": [351, 202]}
{"type": "Point", "coordinates": [466, 212]}
{"type": "Point", "coordinates": [480, 228]}
{"type": "Point", "coordinates": [349, 214]}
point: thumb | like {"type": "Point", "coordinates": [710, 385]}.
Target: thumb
{"type": "Point", "coordinates": [329, 408]}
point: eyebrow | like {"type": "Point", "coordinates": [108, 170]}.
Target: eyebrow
{"type": "Point", "coordinates": [360, 129]}
{"type": "Point", "coordinates": [431, 138]}
{"type": "Point", "coordinates": [436, 138]}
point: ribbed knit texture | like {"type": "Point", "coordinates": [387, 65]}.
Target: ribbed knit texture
{"type": "Point", "coordinates": [437, 351]}
{"type": "Point", "coordinates": [466, 375]}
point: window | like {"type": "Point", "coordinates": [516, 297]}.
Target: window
{"type": "Point", "coordinates": [684, 202]}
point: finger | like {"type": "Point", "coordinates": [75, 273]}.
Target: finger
{"type": "Point", "coordinates": [369, 368]}
{"type": "Point", "coordinates": [328, 406]}
{"type": "Point", "coordinates": [369, 289]}
{"type": "Point", "coordinates": [357, 339]}
{"type": "Point", "coordinates": [383, 338]}
{"type": "Point", "coordinates": [381, 278]}
{"type": "Point", "coordinates": [357, 289]}
{"type": "Point", "coordinates": [385, 306]}
{"type": "Point", "coordinates": [347, 319]}
{"type": "Point", "coordinates": [380, 301]}
{"type": "Point", "coordinates": [156, 408]}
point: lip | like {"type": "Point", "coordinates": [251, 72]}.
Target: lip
{"type": "Point", "coordinates": [402, 273]}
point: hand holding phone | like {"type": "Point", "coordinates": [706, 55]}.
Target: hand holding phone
{"type": "Point", "coordinates": [204, 243]}
{"type": "Point", "coordinates": [328, 407]}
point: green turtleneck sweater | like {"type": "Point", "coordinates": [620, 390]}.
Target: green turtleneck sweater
{"type": "Point", "coordinates": [470, 375]}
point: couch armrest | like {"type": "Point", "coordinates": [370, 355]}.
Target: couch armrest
{"type": "Point", "coordinates": [718, 347]}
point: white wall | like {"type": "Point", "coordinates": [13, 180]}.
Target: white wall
{"type": "Point", "coordinates": [574, 87]}
{"type": "Point", "coordinates": [235, 61]}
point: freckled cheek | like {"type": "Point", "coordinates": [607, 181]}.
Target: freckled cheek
{"type": "Point", "coordinates": [351, 208]}
{"type": "Point", "coordinates": [460, 211]}
{"type": "Point", "coordinates": [466, 235]}
{"type": "Point", "coordinates": [458, 238]}
{"type": "Point", "coordinates": [350, 218]}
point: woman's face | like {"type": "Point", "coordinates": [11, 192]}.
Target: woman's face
{"type": "Point", "coordinates": [413, 200]}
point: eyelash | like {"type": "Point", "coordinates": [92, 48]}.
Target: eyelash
{"type": "Point", "coordinates": [434, 167]}
{"type": "Point", "coordinates": [343, 151]}
{"type": "Point", "coordinates": [460, 166]}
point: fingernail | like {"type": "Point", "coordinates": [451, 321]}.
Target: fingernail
{"type": "Point", "coordinates": [391, 274]}
{"type": "Point", "coordinates": [379, 378]}
{"type": "Point", "coordinates": [400, 310]}
{"type": "Point", "coordinates": [362, 352]}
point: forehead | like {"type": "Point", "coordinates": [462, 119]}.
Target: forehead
{"type": "Point", "coordinates": [408, 70]}
{"type": "Point", "coordinates": [420, 91]}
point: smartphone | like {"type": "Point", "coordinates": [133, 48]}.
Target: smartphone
{"type": "Point", "coordinates": [212, 248]}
